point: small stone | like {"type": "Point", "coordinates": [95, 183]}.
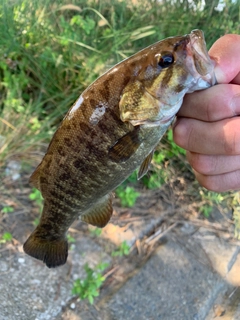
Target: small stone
{"type": "Point", "coordinates": [219, 310]}
{"type": "Point", "coordinates": [21, 260]}
{"type": "Point", "coordinates": [13, 170]}
{"type": "Point", "coordinates": [72, 306]}
{"type": "Point", "coordinates": [75, 276]}
{"type": "Point", "coordinates": [4, 267]}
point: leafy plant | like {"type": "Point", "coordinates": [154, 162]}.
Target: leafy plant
{"type": "Point", "coordinates": [210, 199]}
{"type": "Point", "coordinates": [7, 209]}
{"type": "Point", "coordinates": [206, 210]}
{"type": "Point", "coordinates": [127, 195]}
{"type": "Point", "coordinates": [36, 196]}
{"type": "Point", "coordinates": [70, 239]}
{"type": "Point", "coordinates": [123, 250]}
{"type": "Point", "coordinates": [95, 232]}
{"type": "Point", "coordinates": [174, 150]}
{"type": "Point", "coordinates": [88, 288]}
{"type": "Point", "coordinates": [236, 214]}
{"type": "Point", "coordinates": [36, 221]}
{"type": "Point", "coordinates": [155, 179]}
{"type": "Point", "coordinates": [6, 237]}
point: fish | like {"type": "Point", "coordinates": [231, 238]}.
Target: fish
{"type": "Point", "coordinates": [111, 130]}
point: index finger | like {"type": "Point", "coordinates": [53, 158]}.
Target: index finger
{"type": "Point", "coordinates": [220, 101]}
{"type": "Point", "coordinates": [216, 103]}
{"type": "Point", "coordinates": [225, 52]}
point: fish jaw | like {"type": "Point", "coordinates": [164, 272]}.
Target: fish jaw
{"type": "Point", "coordinates": [199, 63]}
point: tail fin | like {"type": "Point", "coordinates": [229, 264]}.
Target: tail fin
{"type": "Point", "coordinates": [52, 252]}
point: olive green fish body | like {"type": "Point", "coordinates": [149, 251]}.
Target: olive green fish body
{"type": "Point", "coordinates": [111, 130]}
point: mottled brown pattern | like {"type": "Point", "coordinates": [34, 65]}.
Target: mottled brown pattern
{"type": "Point", "coordinates": [93, 150]}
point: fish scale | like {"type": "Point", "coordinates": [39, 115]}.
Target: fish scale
{"type": "Point", "coordinates": [111, 130]}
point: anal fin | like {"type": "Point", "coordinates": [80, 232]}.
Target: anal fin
{"type": "Point", "coordinates": [100, 213]}
{"type": "Point", "coordinates": [145, 165]}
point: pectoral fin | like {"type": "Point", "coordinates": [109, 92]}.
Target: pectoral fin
{"type": "Point", "coordinates": [126, 146]}
{"type": "Point", "coordinates": [145, 165]}
{"type": "Point", "coordinates": [99, 214]}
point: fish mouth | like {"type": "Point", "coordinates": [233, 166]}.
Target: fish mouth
{"type": "Point", "coordinates": [204, 65]}
{"type": "Point", "coordinates": [197, 60]}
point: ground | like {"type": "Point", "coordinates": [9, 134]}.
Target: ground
{"type": "Point", "coordinates": [180, 265]}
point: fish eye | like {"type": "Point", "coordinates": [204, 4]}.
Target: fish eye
{"type": "Point", "coordinates": [166, 60]}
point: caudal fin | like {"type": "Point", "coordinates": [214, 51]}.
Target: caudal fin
{"type": "Point", "coordinates": [54, 253]}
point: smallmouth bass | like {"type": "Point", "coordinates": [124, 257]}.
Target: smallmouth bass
{"type": "Point", "coordinates": [112, 129]}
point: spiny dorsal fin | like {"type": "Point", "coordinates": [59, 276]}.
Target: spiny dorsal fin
{"type": "Point", "coordinates": [126, 146]}
{"type": "Point", "coordinates": [99, 214]}
{"type": "Point", "coordinates": [145, 165]}
{"type": "Point", "coordinates": [40, 171]}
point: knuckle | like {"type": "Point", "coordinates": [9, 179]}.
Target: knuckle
{"type": "Point", "coordinates": [232, 144]}
{"type": "Point", "coordinates": [231, 39]}
{"type": "Point", "coordinates": [211, 183]}
{"type": "Point", "coordinates": [203, 164]}
{"type": "Point", "coordinates": [180, 133]}
{"type": "Point", "coordinates": [220, 183]}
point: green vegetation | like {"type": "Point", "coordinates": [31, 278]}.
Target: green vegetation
{"type": "Point", "coordinates": [122, 250]}
{"type": "Point", "coordinates": [52, 50]}
{"type": "Point", "coordinates": [7, 209]}
{"type": "Point", "coordinates": [159, 174]}
{"type": "Point", "coordinates": [70, 239]}
{"type": "Point", "coordinates": [6, 237]}
{"type": "Point", "coordinates": [95, 232]}
{"type": "Point", "coordinates": [36, 196]}
{"type": "Point", "coordinates": [88, 288]}
{"type": "Point", "coordinates": [236, 213]}
{"type": "Point", "coordinates": [127, 195]}
{"type": "Point", "coordinates": [210, 199]}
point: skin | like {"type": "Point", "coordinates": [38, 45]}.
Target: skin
{"type": "Point", "coordinates": [208, 123]}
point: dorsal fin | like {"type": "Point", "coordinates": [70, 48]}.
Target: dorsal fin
{"type": "Point", "coordinates": [100, 213]}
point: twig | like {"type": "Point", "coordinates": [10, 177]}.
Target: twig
{"type": "Point", "coordinates": [157, 235]}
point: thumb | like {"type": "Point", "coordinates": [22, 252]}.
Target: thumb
{"type": "Point", "coordinates": [225, 52]}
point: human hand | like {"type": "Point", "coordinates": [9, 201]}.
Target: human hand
{"type": "Point", "coordinates": [208, 123]}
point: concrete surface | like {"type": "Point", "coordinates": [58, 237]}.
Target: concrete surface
{"type": "Point", "coordinates": [171, 285]}
{"type": "Point", "coordinates": [191, 276]}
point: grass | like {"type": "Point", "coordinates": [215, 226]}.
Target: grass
{"type": "Point", "coordinates": [51, 51]}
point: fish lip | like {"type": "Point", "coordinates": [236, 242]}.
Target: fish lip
{"type": "Point", "coordinates": [167, 119]}
{"type": "Point", "coordinates": [204, 65]}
